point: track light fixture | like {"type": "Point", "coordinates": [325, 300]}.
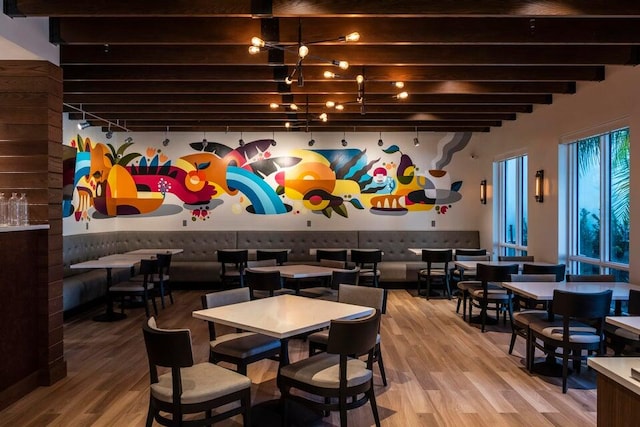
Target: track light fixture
{"type": "Point", "coordinates": [241, 141]}
{"type": "Point", "coordinates": [380, 141]}
{"type": "Point", "coordinates": [166, 140]}
{"type": "Point", "coordinates": [416, 141]}
{"type": "Point", "coordinates": [312, 141]}
{"type": "Point", "coordinates": [344, 140]}
{"type": "Point", "coordinates": [128, 140]}
{"type": "Point", "coordinates": [302, 50]}
{"type": "Point", "coordinates": [108, 134]}
{"type": "Point", "coordinates": [84, 123]}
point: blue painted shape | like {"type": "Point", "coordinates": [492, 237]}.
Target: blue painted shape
{"type": "Point", "coordinates": [264, 199]}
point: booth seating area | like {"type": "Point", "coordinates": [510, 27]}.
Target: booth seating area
{"type": "Point", "coordinates": [197, 263]}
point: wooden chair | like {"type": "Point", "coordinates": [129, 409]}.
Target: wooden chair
{"type": "Point", "coordinates": [338, 277]}
{"type": "Point", "coordinates": [358, 295]}
{"type": "Point", "coordinates": [367, 261]}
{"type": "Point", "coordinates": [590, 278]}
{"type": "Point", "coordinates": [264, 284]}
{"type": "Point", "coordinates": [134, 289]}
{"type": "Point", "coordinates": [490, 294]}
{"type": "Point", "coordinates": [466, 280]}
{"type": "Point", "coordinates": [618, 338]}
{"type": "Point", "coordinates": [520, 320]}
{"type": "Point", "coordinates": [163, 279]}
{"type": "Point", "coordinates": [516, 258]}
{"type": "Point", "coordinates": [581, 328]}
{"type": "Point", "coordinates": [557, 269]}
{"type": "Point", "coordinates": [240, 348]}
{"type": "Point", "coordinates": [342, 381]}
{"type": "Point", "coordinates": [232, 265]}
{"type": "Point", "coordinates": [339, 255]}
{"type": "Point", "coordinates": [281, 257]}
{"type": "Point", "coordinates": [189, 388]}
{"type": "Point", "coordinates": [441, 257]}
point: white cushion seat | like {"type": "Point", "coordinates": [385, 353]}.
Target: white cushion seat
{"type": "Point", "coordinates": [130, 287]}
{"type": "Point", "coordinates": [578, 332]}
{"type": "Point", "coordinates": [322, 370]}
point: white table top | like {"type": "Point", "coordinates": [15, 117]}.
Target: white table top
{"type": "Point", "coordinates": [618, 369]}
{"type": "Point", "coordinates": [630, 323]}
{"type": "Point", "coordinates": [418, 251]}
{"type": "Point", "coordinates": [472, 265]}
{"type": "Point", "coordinates": [282, 316]}
{"type": "Point", "coordinates": [543, 291]}
{"type": "Point", "coordinates": [171, 251]}
{"type": "Point", "coordinates": [313, 251]}
{"type": "Point", "coordinates": [107, 263]}
{"type": "Point", "coordinates": [298, 271]}
{"type": "Point", "coordinates": [134, 257]}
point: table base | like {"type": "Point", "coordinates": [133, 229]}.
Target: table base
{"type": "Point", "coordinates": [109, 317]}
{"type": "Point", "coordinates": [269, 414]}
{"type": "Point", "coordinates": [488, 321]}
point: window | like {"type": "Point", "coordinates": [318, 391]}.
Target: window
{"type": "Point", "coordinates": [512, 197]}
{"type": "Point", "coordinates": [599, 204]}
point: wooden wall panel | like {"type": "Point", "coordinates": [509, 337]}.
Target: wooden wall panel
{"type": "Point", "coordinates": [30, 162]}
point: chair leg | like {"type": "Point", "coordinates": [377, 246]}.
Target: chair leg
{"type": "Point", "coordinates": [428, 286]}
{"type": "Point", "coordinates": [446, 280]}
{"type": "Point", "coordinates": [162, 294]}
{"type": "Point", "coordinates": [565, 369]}
{"type": "Point", "coordinates": [342, 404]}
{"type": "Point", "coordinates": [374, 406]}
{"type": "Point", "coordinates": [513, 340]}
{"type": "Point", "coordinates": [245, 401]}
{"type": "Point", "coordinates": [381, 366]}
{"type": "Point", "coordinates": [150, 413]}
{"type": "Point", "coordinates": [146, 304]}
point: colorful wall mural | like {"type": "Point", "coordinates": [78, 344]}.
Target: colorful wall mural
{"type": "Point", "coordinates": [102, 180]}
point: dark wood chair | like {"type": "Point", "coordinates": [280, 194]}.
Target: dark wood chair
{"type": "Point", "coordinates": [136, 289]}
{"type": "Point", "coordinates": [163, 279]}
{"type": "Point", "coordinates": [338, 277]}
{"type": "Point", "coordinates": [333, 255]}
{"type": "Point", "coordinates": [466, 280]}
{"type": "Point", "coordinates": [490, 295]}
{"type": "Point", "coordinates": [557, 269]}
{"type": "Point", "coordinates": [581, 328]}
{"type": "Point", "coordinates": [516, 258]}
{"type": "Point", "coordinates": [264, 284]}
{"type": "Point", "coordinates": [358, 295]}
{"type": "Point", "coordinates": [281, 256]}
{"type": "Point", "coordinates": [340, 380]}
{"type": "Point", "coordinates": [590, 278]}
{"type": "Point", "coordinates": [232, 265]}
{"type": "Point", "coordinates": [190, 388]}
{"type": "Point", "coordinates": [240, 348]}
{"type": "Point", "coordinates": [367, 260]}
{"type": "Point", "coordinates": [437, 267]}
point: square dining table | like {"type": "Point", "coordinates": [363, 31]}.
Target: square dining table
{"type": "Point", "coordinates": [630, 323]}
{"type": "Point", "coordinates": [282, 317]}
{"type": "Point", "coordinates": [297, 272]}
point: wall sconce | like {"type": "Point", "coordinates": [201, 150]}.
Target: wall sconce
{"type": "Point", "coordinates": [483, 191]}
{"type": "Point", "coordinates": [540, 186]}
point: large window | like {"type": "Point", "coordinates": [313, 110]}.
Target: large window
{"type": "Point", "coordinates": [599, 204]}
{"type": "Point", "coordinates": [512, 197]}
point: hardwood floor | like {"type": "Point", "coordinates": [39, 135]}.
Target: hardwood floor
{"type": "Point", "coordinates": [441, 372]}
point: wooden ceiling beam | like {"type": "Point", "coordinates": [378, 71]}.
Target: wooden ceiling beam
{"type": "Point", "coordinates": [285, 8]}
{"type": "Point", "coordinates": [331, 88]}
{"type": "Point", "coordinates": [361, 55]}
{"type": "Point", "coordinates": [301, 119]}
{"type": "Point", "coordinates": [315, 73]}
{"type": "Point", "coordinates": [187, 99]}
{"type": "Point", "coordinates": [310, 128]}
{"type": "Point", "coordinates": [373, 30]}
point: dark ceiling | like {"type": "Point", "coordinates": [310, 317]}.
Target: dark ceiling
{"type": "Point", "coordinates": [467, 65]}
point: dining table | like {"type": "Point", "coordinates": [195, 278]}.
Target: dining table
{"type": "Point", "coordinates": [630, 323]}
{"type": "Point", "coordinates": [297, 272]}
{"type": "Point", "coordinates": [152, 251]}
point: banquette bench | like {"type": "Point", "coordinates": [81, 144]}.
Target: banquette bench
{"type": "Point", "coordinates": [197, 262]}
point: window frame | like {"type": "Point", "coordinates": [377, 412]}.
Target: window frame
{"type": "Point", "coordinates": [502, 246]}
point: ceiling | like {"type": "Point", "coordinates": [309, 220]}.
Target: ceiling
{"type": "Point", "coordinates": [467, 65]}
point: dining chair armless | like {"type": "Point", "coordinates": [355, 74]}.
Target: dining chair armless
{"type": "Point", "coordinates": [367, 260]}
{"type": "Point", "coordinates": [335, 380]}
{"type": "Point", "coordinates": [330, 292]}
{"type": "Point", "coordinates": [232, 265]}
{"type": "Point", "coordinates": [491, 295]}
{"type": "Point", "coordinates": [190, 388]}
{"type": "Point", "coordinates": [264, 284]}
{"type": "Point", "coordinates": [437, 267]}
{"type": "Point", "coordinates": [240, 348]}
{"type": "Point", "coordinates": [144, 289]}
{"type": "Point", "coordinates": [281, 257]}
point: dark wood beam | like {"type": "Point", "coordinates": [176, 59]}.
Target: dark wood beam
{"type": "Point", "coordinates": [315, 73]}
{"type": "Point", "coordinates": [334, 122]}
{"type": "Point", "coordinates": [360, 55]}
{"type": "Point", "coordinates": [330, 88]}
{"type": "Point", "coordinates": [373, 30]}
{"type": "Point", "coordinates": [310, 128]}
{"type": "Point", "coordinates": [186, 99]}
{"type": "Point", "coordinates": [285, 8]}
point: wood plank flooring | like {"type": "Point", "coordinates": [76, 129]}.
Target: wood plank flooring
{"type": "Point", "coordinates": [441, 372]}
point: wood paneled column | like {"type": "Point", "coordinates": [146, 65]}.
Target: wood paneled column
{"type": "Point", "coordinates": [31, 336]}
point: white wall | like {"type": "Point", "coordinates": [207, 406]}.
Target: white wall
{"type": "Point", "coordinates": [26, 39]}
{"type": "Point", "coordinates": [596, 104]}
{"type": "Point", "coordinates": [462, 215]}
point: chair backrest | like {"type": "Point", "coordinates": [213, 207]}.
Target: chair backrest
{"type": "Point", "coordinates": [363, 295]}
{"type": "Point", "coordinates": [557, 269]}
{"type": "Point", "coordinates": [472, 252]}
{"type": "Point", "coordinates": [354, 337]}
{"type": "Point", "coordinates": [262, 280]}
{"type": "Point", "coordinates": [472, 257]}
{"type": "Point", "coordinates": [331, 263]}
{"type": "Point", "coordinates": [231, 296]}
{"type": "Point", "coordinates": [634, 303]}
{"type": "Point", "coordinates": [579, 305]}
{"type": "Point", "coordinates": [361, 257]}
{"type": "Point", "coordinates": [148, 268]}
{"type": "Point", "coordinates": [344, 277]}
{"type": "Point", "coordinates": [437, 255]}
{"type": "Point", "coordinates": [495, 273]}
{"type": "Point", "coordinates": [591, 278]}
{"type": "Point", "coordinates": [164, 264]}
{"type": "Point", "coordinates": [280, 256]}
{"type": "Point", "coordinates": [519, 258]}
{"type": "Point", "coordinates": [232, 258]}
{"type": "Point", "coordinates": [533, 277]}
{"type": "Point", "coordinates": [166, 348]}
{"type": "Point", "coordinates": [331, 254]}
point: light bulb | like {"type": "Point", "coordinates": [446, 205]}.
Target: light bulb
{"type": "Point", "coordinates": [303, 51]}
{"type": "Point", "coordinates": [343, 65]}
{"type": "Point", "coordinates": [339, 107]}
{"type": "Point", "coordinates": [399, 85]}
{"type": "Point", "coordinates": [293, 106]}
{"type": "Point", "coordinates": [257, 42]}
{"type": "Point", "coordinates": [287, 125]}
{"type": "Point", "coordinates": [402, 95]}
{"type": "Point", "coordinates": [352, 37]}
{"type": "Point", "coordinates": [329, 75]}
{"type": "Point", "coordinates": [273, 105]}
{"type": "Point", "coordinates": [254, 49]}
{"type": "Point", "coordinates": [288, 80]}
{"type": "Point", "coordinates": [359, 79]}
{"type": "Point", "coordinates": [323, 117]}
{"type": "Point", "coordinates": [330, 104]}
